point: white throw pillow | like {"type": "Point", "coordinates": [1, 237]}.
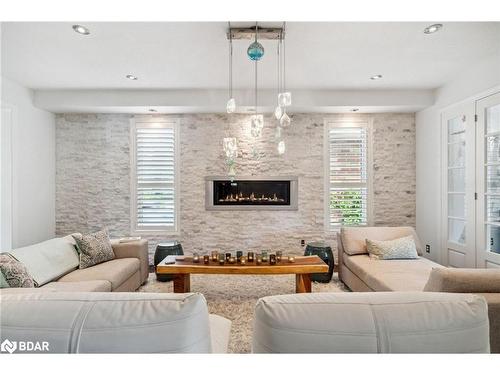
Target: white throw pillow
{"type": "Point", "coordinates": [400, 248]}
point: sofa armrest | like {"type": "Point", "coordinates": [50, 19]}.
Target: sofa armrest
{"type": "Point", "coordinates": [493, 300]}
{"type": "Point", "coordinates": [134, 249]}
{"type": "Point", "coordinates": [463, 280]}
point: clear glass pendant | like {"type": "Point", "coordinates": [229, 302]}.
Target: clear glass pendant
{"type": "Point", "coordinates": [278, 112]}
{"type": "Point", "coordinates": [256, 125]}
{"type": "Point", "coordinates": [281, 147]}
{"type": "Point", "coordinates": [285, 99]}
{"type": "Point", "coordinates": [231, 105]}
{"type": "Point", "coordinates": [285, 120]}
{"type": "Point", "coordinates": [277, 134]}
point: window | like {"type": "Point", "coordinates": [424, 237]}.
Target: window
{"type": "Point", "coordinates": [154, 203]}
{"type": "Point", "coordinates": [348, 163]}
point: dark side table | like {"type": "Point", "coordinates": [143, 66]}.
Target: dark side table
{"type": "Point", "coordinates": [325, 253]}
{"type": "Point", "coordinates": [163, 250]}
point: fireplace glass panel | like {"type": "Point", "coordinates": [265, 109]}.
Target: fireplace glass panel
{"type": "Point", "coordinates": [251, 193]}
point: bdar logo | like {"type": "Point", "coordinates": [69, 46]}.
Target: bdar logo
{"type": "Point", "coordinates": [8, 346]}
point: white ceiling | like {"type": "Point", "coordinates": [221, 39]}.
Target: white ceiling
{"type": "Point", "coordinates": [330, 56]}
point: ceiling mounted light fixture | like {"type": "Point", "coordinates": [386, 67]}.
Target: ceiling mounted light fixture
{"type": "Point", "coordinates": [81, 29]}
{"type": "Point", "coordinates": [375, 77]}
{"type": "Point", "coordinates": [433, 28]}
{"type": "Point", "coordinates": [131, 77]}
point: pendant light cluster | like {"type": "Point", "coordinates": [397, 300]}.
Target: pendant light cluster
{"type": "Point", "coordinates": [255, 53]}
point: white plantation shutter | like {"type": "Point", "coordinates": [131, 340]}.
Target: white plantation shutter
{"type": "Point", "coordinates": [154, 207]}
{"type": "Point", "coordinates": [349, 180]}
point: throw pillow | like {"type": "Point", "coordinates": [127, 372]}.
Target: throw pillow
{"type": "Point", "coordinates": [94, 248]}
{"type": "Point", "coordinates": [15, 273]}
{"type": "Point", "coordinates": [400, 248]}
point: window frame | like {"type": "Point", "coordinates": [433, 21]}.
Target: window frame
{"type": "Point", "coordinates": [149, 122]}
{"type": "Point", "coordinates": [348, 123]}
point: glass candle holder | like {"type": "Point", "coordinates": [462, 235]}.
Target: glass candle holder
{"type": "Point", "coordinates": [232, 260]}
{"type": "Point", "coordinates": [222, 259]}
{"type": "Point", "coordinates": [258, 260]}
{"type": "Point", "coordinates": [291, 259]}
{"type": "Point", "coordinates": [206, 259]}
{"type": "Point", "coordinates": [272, 259]}
{"type": "Point", "coordinates": [196, 258]}
{"type": "Point", "coordinates": [251, 256]}
{"type": "Point", "coordinates": [228, 255]}
{"type": "Point", "coordinates": [265, 257]}
{"type": "Point", "coordinates": [243, 260]}
{"type": "Point", "coordinates": [215, 256]}
{"type": "Point", "coordinates": [279, 255]}
{"type": "Point", "coordinates": [239, 254]}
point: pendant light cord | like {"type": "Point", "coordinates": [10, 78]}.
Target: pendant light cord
{"type": "Point", "coordinates": [284, 58]}
{"type": "Point", "coordinates": [256, 61]}
{"type": "Point", "coordinates": [230, 61]}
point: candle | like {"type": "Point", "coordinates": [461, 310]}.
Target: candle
{"type": "Point", "coordinates": [228, 255]}
{"type": "Point", "coordinates": [239, 254]}
{"type": "Point", "coordinates": [264, 257]}
{"type": "Point", "coordinates": [258, 260]}
{"type": "Point", "coordinates": [279, 255]}
{"type": "Point", "coordinates": [243, 260]}
{"type": "Point", "coordinates": [215, 256]}
{"type": "Point", "coordinates": [222, 259]}
{"type": "Point", "coordinates": [206, 259]}
{"type": "Point", "coordinates": [232, 260]}
{"type": "Point", "coordinates": [250, 256]}
{"type": "Point", "coordinates": [272, 259]}
{"type": "Point", "coordinates": [291, 259]}
{"type": "Point", "coordinates": [196, 258]}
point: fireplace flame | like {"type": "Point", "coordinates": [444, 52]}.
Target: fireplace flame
{"type": "Point", "coordinates": [251, 198]}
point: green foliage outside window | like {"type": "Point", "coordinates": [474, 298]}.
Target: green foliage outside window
{"type": "Point", "coordinates": [349, 204]}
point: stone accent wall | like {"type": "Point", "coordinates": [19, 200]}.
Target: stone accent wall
{"type": "Point", "coordinates": [93, 177]}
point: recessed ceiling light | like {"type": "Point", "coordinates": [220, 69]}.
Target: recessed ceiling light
{"type": "Point", "coordinates": [131, 77]}
{"type": "Point", "coordinates": [81, 29]}
{"type": "Point", "coordinates": [433, 28]}
{"type": "Point", "coordinates": [355, 109]}
{"type": "Point", "coordinates": [378, 76]}
{"type": "Point", "coordinates": [152, 110]}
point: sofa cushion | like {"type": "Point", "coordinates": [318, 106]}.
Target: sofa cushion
{"type": "Point", "coordinates": [401, 322]}
{"type": "Point", "coordinates": [400, 248]}
{"type": "Point", "coordinates": [116, 271]}
{"type": "Point", "coordinates": [109, 322]}
{"type": "Point", "coordinates": [15, 273]}
{"type": "Point", "coordinates": [391, 275]}
{"type": "Point", "coordinates": [94, 248]}
{"type": "Point", "coordinates": [463, 280]}
{"type": "Point", "coordinates": [354, 238]}
{"type": "Point", "coordinates": [220, 328]}
{"type": "Point", "coordinates": [49, 260]}
{"type": "Point", "coordinates": [79, 286]}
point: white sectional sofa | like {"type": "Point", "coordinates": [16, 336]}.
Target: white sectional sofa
{"type": "Point", "coordinates": [384, 322]}
{"type": "Point", "coordinates": [114, 322]}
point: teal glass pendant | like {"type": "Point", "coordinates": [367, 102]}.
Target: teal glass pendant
{"type": "Point", "coordinates": [255, 51]}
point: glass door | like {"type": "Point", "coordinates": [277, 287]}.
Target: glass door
{"type": "Point", "coordinates": [488, 181]}
{"type": "Point", "coordinates": [458, 199]}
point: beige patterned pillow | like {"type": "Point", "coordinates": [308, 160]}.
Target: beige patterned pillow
{"type": "Point", "coordinates": [94, 248]}
{"type": "Point", "coordinates": [15, 273]}
{"type": "Point", "coordinates": [400, 248]}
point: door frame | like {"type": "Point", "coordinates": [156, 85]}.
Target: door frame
{"type": "Point", "coordinates": [466, 109]}
{"type": "Point", "coordinates": [6, 178]}
{"type": "Point", "coordinates": [483, 257]}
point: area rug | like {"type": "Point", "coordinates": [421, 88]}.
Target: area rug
{"type": "Point", "coordinates": [234, 297]}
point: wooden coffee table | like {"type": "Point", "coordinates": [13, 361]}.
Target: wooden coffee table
{"type": "Point", "coordinates": [183, 267]}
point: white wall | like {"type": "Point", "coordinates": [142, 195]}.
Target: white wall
{"type": "Point", "coordinates": [33, 167]}
{"type": "Point", "coordinates": [477, 81]}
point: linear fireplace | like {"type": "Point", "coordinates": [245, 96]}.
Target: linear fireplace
{"type": "Point", "coordinates": [251, 193]}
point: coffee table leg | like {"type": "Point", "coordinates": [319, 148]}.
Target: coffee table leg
{"type": "Point", "coordinates": [182, 283]}
{"type": "Point", "coordinates": [303, 283]}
